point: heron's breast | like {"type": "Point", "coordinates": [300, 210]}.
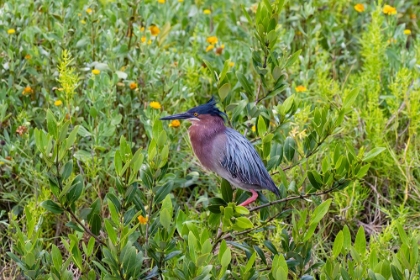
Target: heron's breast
{"type": "Point", "coordinates": [208, 147]}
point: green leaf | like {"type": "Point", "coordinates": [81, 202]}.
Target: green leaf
{"type": "Point", "coordinates": [261, 254]}
{"type": "Point", "coordinates": [338, 244]}
{"type": "Point", "coordinates": [402, 234]}
{"type": "Point", "coordinates": [165, 219]}
{"type": "Point", "coordinates": [271, 247]}
{"type": "Point", "coordinates": [292, 59]}
{"type": "Point", "coordinates": [373, 153]}
{"type": "Point", "coordinates": [320, 211]}
{"type": "Point", "coordinates": [52, 206]}
{"type": "Point", "coordinates": [241, 210]}
{"type": "Point", "coordinates": [52, 125]}
{"type": "Point", "coordinates": [245, 12]}
{"type": "Point", "coordinates": [63, 131]}
{"type": "Point", "coordinates": [112, 234]}
{"type": "Point", "coordinates": [347, 238]}
{"type": "Point", "coordinates": [167, 203]}
{"type": "Point", "coordinates": [67, 170]}
{"type": "Point", "coordinates": [118, 163]}
{"type": "Point", "coordinates": [113, 211]}
{"type": "Point", "coordinates": [244, 82]}
{"type": "Point", "coordinates": [76, 256]}
{"type": "Point", "coordinates": [227, 191]}
{"type": "Point", "coordinates": [362, 171]}
{"type": "Point", "coordinates": [75, 190]}
{"type": "Point", "coordinates": [215, 203]}
{"type": "Point", "coordinates": [243, 223]}
{"type": "Point", "coordinates": [396, 273]}
{"type": "Point", "coordinates": [137, 160]}
{"type": "Point", "coordinates": [289, 148]}
{"type": "Point", "coordinates": [262, 128]}
{"type": "Point", "coordinates": [226, 258]}
{"type": "Point", "coordinates": [224, 91]}
{"type": "Point", "coordinates": [223, 73]}
{"type": "Point", "coordinates": [72, 137]}
{"type": "Point", "coordinates": [350, 98]}
{"type": "Point", "coordinates": [360, 242]}
{"type": "Point", "coordinates": [164, 156]}
{"type": "Point", "coordinates": [250, 262]}
{"type": "Point", "coordinates": [313, 181]}
{"type": "Point", "coordinates": [56, 257]}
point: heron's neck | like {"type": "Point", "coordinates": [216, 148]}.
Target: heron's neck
{"type": "Point", "coordinates": [206, 128]}
{"type": "Point", "coordinates": [202, 135]}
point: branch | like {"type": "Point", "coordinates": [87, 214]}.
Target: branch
{"type": "Point", "coordinates": [302, 196]}
{"type": "Point", "coordinates": [220, 237]}
{"type": "Point", "coordinates": [86, 229]}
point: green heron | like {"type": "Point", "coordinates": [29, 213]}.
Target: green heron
{"type": "Point", "coordinates": [225, 151]}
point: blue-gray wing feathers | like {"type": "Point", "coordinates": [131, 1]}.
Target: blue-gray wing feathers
{"type": "Point", "coordinates": [244, 163]}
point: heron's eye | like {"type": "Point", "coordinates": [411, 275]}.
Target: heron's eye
{"type": "Point", "coordinates": [195, 114]}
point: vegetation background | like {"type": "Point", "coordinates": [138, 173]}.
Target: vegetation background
{"type": "Point", "coordinates": [94, 186]}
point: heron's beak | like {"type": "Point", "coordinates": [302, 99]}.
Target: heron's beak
{"type": "Point", "coordinates": [182, 116]}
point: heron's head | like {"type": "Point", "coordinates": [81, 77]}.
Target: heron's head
{"type": "Point", "coordinates": [198, 113]}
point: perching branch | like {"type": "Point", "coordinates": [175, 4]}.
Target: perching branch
{"type": "Point", "coordinates": [302, 196]}
{"type": "Point", "coordinates": [220, 235]}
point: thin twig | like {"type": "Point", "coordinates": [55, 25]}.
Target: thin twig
{"type": "Point", "coordinates": [302, 196]}
{"type": "Point", "coordinates": [86, 229]}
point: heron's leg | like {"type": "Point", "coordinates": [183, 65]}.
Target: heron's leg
{"type": "Point", "coordinates": [251, 199]}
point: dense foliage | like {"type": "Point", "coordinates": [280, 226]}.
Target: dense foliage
{"type": "Point", "coordinates": [93, 185]}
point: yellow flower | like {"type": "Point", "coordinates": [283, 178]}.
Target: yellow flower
{"type": "Point", "coordinates": [155, 105]}
{"type": "Point", "coordinates": [149, 42]}
{"type": "Point", "coordinates": [253, 128]}
{"type": "Point", "coordinates": [407, 31]}
{"type": "Point", "coordinates": [27, 90]}
{"type": "Point", "coordinates": [209, 48]}
{"type": "Point", "coordinates": [89, 11]}
{"type": "Point", "coordinates": [28, 56]}
{"type": "Point", "coordinates": [96, 71]}
{"type": "Point", "coordinates": [11, 31]}
{"type": "Point", "coordinates": [143, 39]}
{"type": "Point", "coordinates": [154, 30]}
{"type": "Point", "coordinates": [231, 64]}
{"type": "Point", "coordinates": [206, 12]}
{"type": "Point", "coordinates": [58, 103]}
{"type": "Point", "coordinates": [389, 10]}
{"type": "Point", "coordinates": [83, 22]}
{"type": "Point", "coordinates": [300, 88]}
{"type": "Point", "coordinates": [180, 1]}
{"type": "Point", "coordinates": [161, 1]}
{"type": "Point", "coordinates": [359, 8]}
{"type": "Point", "coordinates": [413, 16]}
{"type": "Point", "coordinates": [143, 220]}
{"type": "Point", "coordinates": [133, 86]}
{"type": "Point", "coordinates": [175, 123]}
{"type": "Point", "coordinates": [212, 40]}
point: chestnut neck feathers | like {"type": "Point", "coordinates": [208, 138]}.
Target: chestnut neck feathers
{"type": "Point", "coordinates": [202, 134]}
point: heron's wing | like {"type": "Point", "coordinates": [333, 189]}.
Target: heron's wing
{"type": "Point", "coordinates": [243, 162]}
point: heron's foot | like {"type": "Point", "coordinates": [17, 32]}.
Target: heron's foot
{"type": "Point", "coordinates": [251, 199]}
